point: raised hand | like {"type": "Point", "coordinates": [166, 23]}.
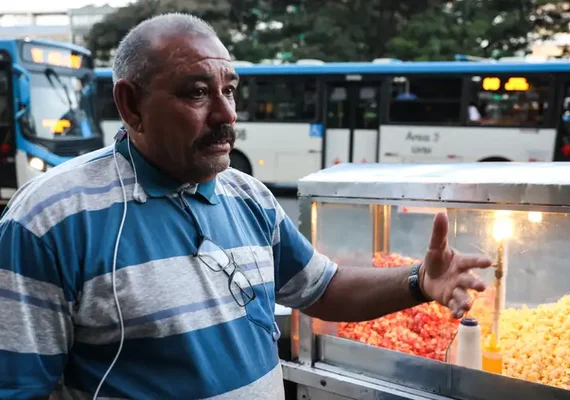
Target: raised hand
{"type": "Point", "coordinates": [446, 274]}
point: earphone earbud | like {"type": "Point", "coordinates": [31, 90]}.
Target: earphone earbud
{"type": "Point", "coordinates": [121, 133]}
{"type": "Point", "coordinates": [138, 194]}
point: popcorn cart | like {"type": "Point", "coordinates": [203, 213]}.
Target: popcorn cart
{"type": "Point", "coordinates": [380, 216]}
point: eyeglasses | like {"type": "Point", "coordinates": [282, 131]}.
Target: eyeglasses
{"type": "Point", "coordinates": [218, 260]}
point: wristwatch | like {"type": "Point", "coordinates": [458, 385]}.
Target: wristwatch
{"type": "Point", "coordinates": [414, 285]}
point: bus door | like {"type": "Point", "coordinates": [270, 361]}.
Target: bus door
{"type": "Point", "coordinates": [352, 122]}
{"type": "Point", "coordinates": [8, 182]}
{"type": "Point", "coordinates": [562, 146]}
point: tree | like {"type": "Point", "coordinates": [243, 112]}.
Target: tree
{"type": "Point", "coordinates": [334, 30]}
{"type": "Point", "coordinates": [354, 30]}
{"type": "Point", "coordinates": [486, 28]}
{"type": "Point", "coordinates": [105, 36]}
{"type": "Point", "coordinates": [253, 30]}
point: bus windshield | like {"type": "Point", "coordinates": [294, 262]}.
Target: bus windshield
{"type": "Point", "coordinates": [60, 106]}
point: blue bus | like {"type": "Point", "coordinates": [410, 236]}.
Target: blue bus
{"type": "Point", "coordinates": [47, 109]}
{"type": "Point", "coordinates": [294, 119]}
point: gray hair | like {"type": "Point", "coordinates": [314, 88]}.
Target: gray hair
{"type": "Point", "coordinates": [135, 59]}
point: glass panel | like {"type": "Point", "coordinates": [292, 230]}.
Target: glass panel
{"type": "Point", "coordinates": [367, 116]}
{"type": "Point", "coordinates": [60, 106]}
{"type": "Point", "coordinates": [5, 100]}
{"type": "Point", "coordinates": [332, 239]}
{"type": "Point", "coordinates": [426, 100]}
{"type": "Point", "coordinates": [242, 101]}
{"type": "Point", "coordinates": [338, 111]}
{"type": "Point", "coordinates": [534, 318]}
{"type": "Point", "coordinates": [509, 101]}
{"type": "Point", "coordinates": [308, 105]}
{"type": "Point", "coordinates": [106, 104]}
{"type": "Point", "coordinates": [281, 100]}
{"type": "Point", "coordinates": [533, 302]}
{"type": "Point", "coordinates": [562, 148]}
{"type": "Point", "coordinates": [425, 330]}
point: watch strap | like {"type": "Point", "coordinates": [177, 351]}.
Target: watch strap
{"type": "Point", "coordinates": [414, 285]}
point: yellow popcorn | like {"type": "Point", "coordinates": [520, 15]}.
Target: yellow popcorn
{"type": "Point", "coordinates": [535, 342]}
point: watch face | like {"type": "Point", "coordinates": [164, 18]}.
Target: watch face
{"type": "Point", "coordinates": [416, 269]}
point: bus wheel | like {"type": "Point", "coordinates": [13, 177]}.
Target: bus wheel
{"type": "Point", "coordinates": [494, 159]}
{"type": "Point", "coordinates": [240, 162]}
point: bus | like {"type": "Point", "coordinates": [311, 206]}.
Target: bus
{"type": "Point", "coordinates": [294, 119]}
{"type": "Point", "coordinates": [47, 109]}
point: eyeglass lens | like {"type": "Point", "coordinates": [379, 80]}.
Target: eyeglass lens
{"type": "Point", "coordinates": [218, 260]}
{"type": "Point", "coordinates": [241, 288]}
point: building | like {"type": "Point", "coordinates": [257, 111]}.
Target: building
{"type": "Point", "coordinates": [65, 25]}
{"type": "Point", "coordinates": [52, 25]}
{"type": "Point", "coordinates": [82, 19]}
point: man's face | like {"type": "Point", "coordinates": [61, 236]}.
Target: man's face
{"type": "Point", "coordinates": [187, 111]}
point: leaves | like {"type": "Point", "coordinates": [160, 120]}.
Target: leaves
{"type": "Point", "coordinates": [483, 28]}
{"type": "Point", "coordinates": [355, 30]}
{"type": "Point", "coordinates": [106, 35]}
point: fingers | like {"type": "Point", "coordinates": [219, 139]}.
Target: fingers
{"type": "Point", "coordinates": [465, 263]}
{"type": "Point", "coordinates": [439, 232]}
{"type": "Point", "coordinates": [467, 281]}
{"type": "Point", "coordinates": [460, 303]}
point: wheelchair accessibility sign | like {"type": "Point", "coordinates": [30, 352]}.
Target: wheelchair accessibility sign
{"type": "Point", "coordinates": [316, 130]}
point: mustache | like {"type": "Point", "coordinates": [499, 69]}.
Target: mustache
{"type": "Point", "coordinates": [221, 132]}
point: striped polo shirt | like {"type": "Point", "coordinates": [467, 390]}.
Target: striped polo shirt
{"type": "Point", "coordinates": [185, 335]}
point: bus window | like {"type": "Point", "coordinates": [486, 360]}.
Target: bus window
{"type": "Point", "coordinates": [106, 105]}
{"type": "Point", "coordinates": [429, 101]}
{"type": "Point", "coordinates": [566, 105]}
{"type": "Point", "coordinates": [242, 101]}
{"type": "Point", "coordinates": [285, 101]}
{"type": "Point", "coordinates": [367, 108]}
{"type": "Point", "coordinates": [308, 108]}
{"type": "Point", "coordinates": [4, 100]}
{"type": "Point", "coordinates": [338, 108]}
{"type": "Point", "coordinates": [509, 101]}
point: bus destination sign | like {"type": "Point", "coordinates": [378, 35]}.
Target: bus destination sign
{"type": "Point", "coordinates": [52, 56]}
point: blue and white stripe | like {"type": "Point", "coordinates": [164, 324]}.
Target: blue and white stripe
{"type": "Point", "coordinates": [185, 335]}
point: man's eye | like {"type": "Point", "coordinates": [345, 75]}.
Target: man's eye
{"type": "Point", "coordinates": [229, 91]}
{"type": "Point", "coordinates": [196, 93]}
{"type": "Point", "coordinates": [199, 93]}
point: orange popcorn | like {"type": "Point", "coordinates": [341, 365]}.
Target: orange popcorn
{"type": "Point", "coordinates": [425, 330]}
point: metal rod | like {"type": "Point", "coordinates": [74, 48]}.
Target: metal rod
{"type": "Point", "coordinates": [387, 222]}
{"type": "Point", "coordinates": [314, 225]}
{"type": "Point", "coordinates": [498, 283]}
{"type": "Point", "coordinates": [381, 228]}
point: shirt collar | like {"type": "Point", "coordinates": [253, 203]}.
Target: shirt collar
{"type": "Point", "coordinates": [157, 184]}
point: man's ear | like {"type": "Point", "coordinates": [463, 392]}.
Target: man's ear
{"type": "Point", "coordinates": [125, 95]}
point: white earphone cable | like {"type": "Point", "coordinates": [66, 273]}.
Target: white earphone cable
{"type": "Point", "coordinates": [136, 194]}
{"type": "Point", "coordinates": [115, 254]}
{"type": "Point", "coordinates": [116, 251]}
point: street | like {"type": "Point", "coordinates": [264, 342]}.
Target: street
{"type": "Point", "coordinates": [290, 205]}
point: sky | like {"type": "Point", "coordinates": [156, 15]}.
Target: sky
{"type": "Point", "coordinates": [53, 5]}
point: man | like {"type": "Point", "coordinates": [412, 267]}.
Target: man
{"type": "Point", "coordinates": [149, 270]}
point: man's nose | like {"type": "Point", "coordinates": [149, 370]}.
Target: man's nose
{"type": "Point", "coordinates": [223, 111]}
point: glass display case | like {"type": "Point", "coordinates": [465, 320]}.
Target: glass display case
{"type": "Point", "coordinates": [380, 216]}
